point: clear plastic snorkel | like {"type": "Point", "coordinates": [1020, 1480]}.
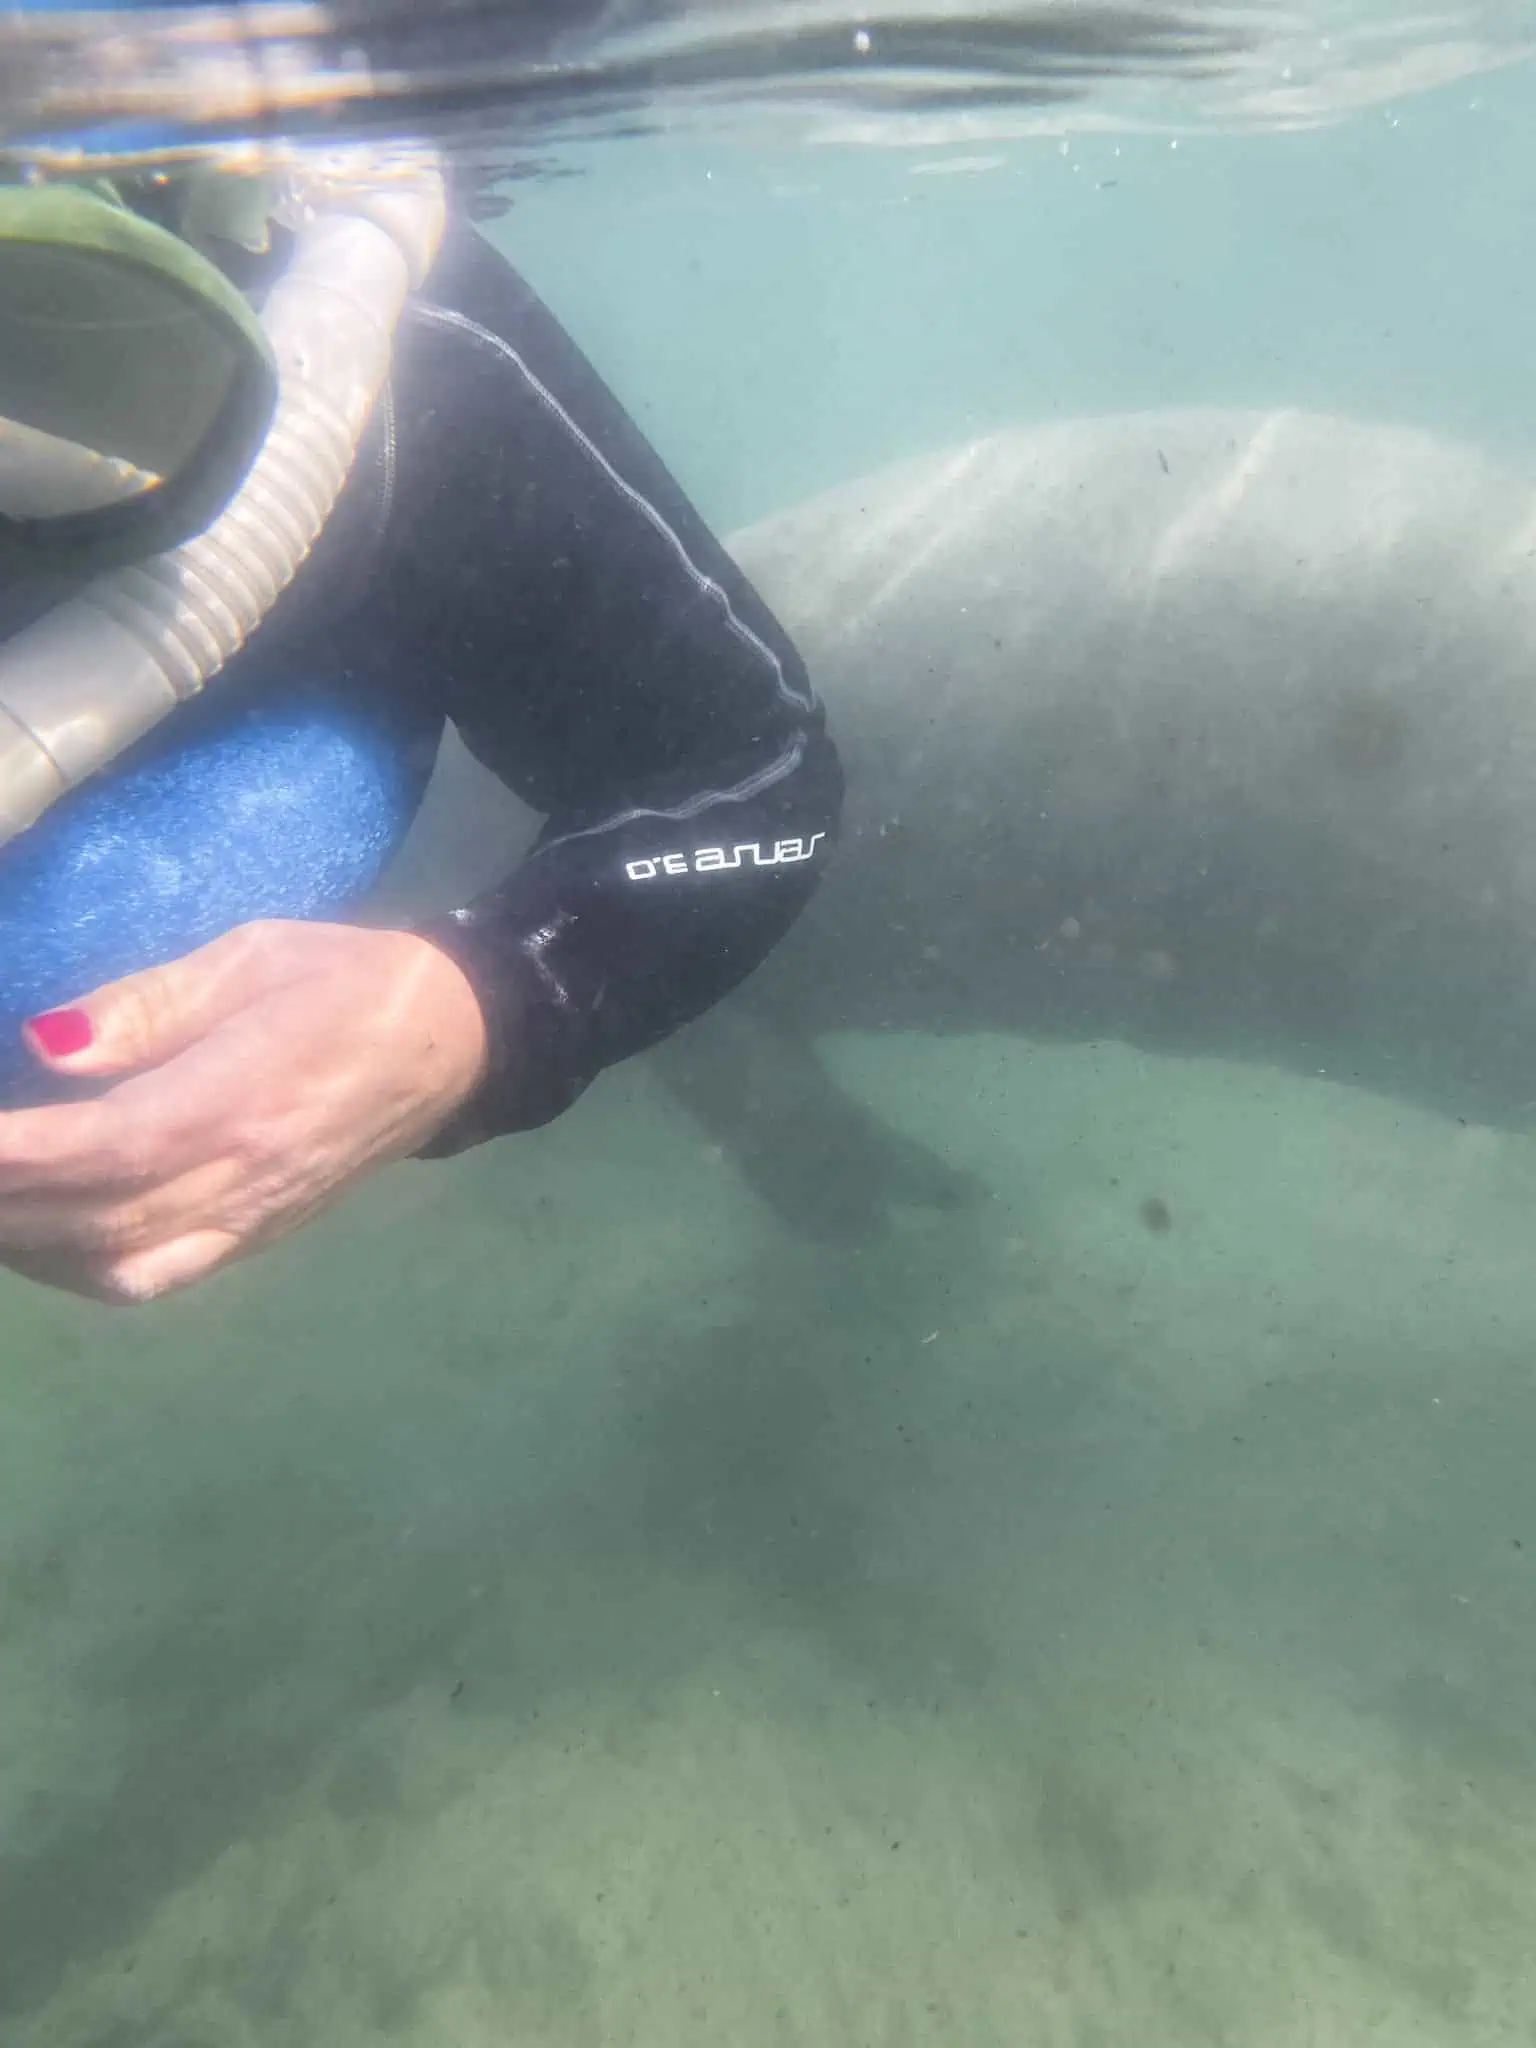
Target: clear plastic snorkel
{"type": "Point", "coordinates": [164, 445]}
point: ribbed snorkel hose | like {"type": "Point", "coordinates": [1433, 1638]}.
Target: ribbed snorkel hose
{"type": "Point", "coordinates": [90, 677]}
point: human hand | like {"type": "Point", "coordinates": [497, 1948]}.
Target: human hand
{"type": "Point", "coordinates": [254, 1082]}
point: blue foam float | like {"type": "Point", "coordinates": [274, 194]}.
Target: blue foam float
{"type": "Point", "coordinates": [284, 809]}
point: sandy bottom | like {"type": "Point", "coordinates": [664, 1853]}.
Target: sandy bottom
{"type": "Point", "coordinates": [554, 1603]}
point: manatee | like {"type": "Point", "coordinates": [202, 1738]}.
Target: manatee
{"type": "Point", "coordinates": [1207, 731]}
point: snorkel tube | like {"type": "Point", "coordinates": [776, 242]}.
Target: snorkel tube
{"type": "Point", "coordinates": [97, 672]}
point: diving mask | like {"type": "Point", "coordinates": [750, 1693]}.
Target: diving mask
{"type": "Point", "coordinates": [136, 384]}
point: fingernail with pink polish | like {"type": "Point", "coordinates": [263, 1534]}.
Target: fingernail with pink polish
{"type": "Point", "coordinates": [62, 1032]}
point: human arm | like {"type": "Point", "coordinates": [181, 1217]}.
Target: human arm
{"type": "Point", "coordinates": [603, 654]}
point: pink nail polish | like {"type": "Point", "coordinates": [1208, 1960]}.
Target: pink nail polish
{"type": "Point", "coordinates": [62, 1032]}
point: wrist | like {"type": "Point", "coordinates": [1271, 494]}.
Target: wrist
{"type": "Point", "coordinates": [534, 1062]}
{"type": "Point", "coordinates": [455, 1046]}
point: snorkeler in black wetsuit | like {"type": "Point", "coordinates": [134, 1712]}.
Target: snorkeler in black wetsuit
{"type": "Point", "coordinates": [509, 554]}
{"type": "Point", "coordinates": [512, 554]}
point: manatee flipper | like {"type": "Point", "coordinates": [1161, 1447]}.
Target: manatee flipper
{"type": "Point", "coordinates": [827, 1166]}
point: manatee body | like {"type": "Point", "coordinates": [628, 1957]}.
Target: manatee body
{"type": "Point", "coordinates": [1209, 731]}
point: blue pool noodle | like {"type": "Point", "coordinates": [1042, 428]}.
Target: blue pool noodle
{"type": "Point", "coordinates": [287, 810]}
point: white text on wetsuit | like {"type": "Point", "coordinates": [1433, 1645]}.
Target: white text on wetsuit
{"type": "Point", "coordinates": [714, 860]}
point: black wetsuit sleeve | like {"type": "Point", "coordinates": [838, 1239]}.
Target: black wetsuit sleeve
{"type": "Point", "coordinates": [603, 655]}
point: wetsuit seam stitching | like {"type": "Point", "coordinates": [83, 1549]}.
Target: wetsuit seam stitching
{"type": "Point", "coordinates": [784, 764]}
{"type": "Point", "coordinates": [487, 338]}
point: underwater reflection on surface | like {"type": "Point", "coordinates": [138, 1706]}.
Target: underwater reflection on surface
{"type": "Point", "coordinates": [496, 79]}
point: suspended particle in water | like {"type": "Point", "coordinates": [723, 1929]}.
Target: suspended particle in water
{"type": "Point", "coordinates": [1156, 1216]}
